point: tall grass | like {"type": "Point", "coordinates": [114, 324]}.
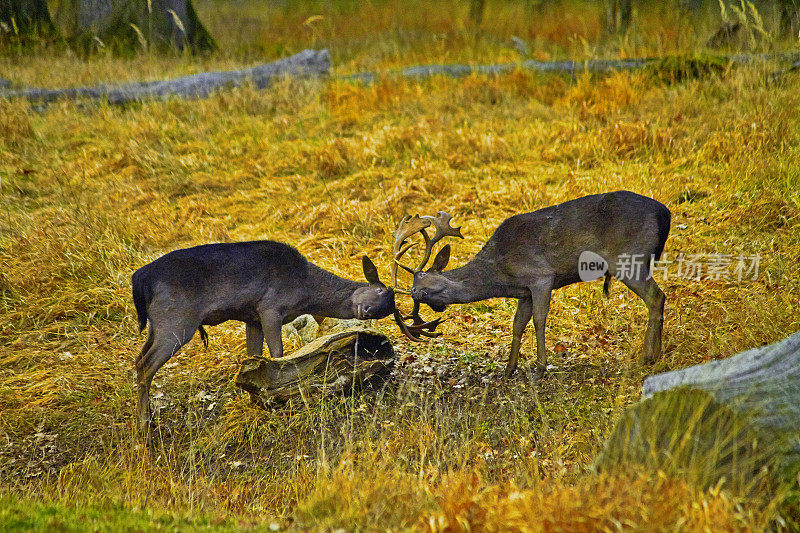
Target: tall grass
{"type": "Point", "coordinates": [92, 192]}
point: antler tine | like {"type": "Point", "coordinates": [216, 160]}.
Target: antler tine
{"type": "Point", "coordinates": [418, 325]}
{"type": "Point", "coordinates": [416, 331]}
{"type": "Point", "coordinates": [404, 249]}
{"type": "Point", "coordinates": [418, 328]}
{"type": "Point", "coordinates": [443, 228]}
{"type": "Point", "coordinates": [397, 263]}
{"type": "Point", "coordinates": [407, 227]}
{"type": "Point", "coordinates": [428, 249]}
{"type": "Point", "coordinates": [410, 225]}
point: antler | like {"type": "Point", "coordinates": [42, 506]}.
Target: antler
{"type": "Point", "coordinates": [409, 226]}
{"type": "Point", "coordinates": [443, 229]}
{"type": "Point", "coordinates": [417, 224]}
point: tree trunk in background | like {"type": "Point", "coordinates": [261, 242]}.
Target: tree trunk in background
{"type": "Point", "coordinates": [476, 9]}
{"type": "Point", "coordinates": [126, 25]}
{"type": "Point", "coordinates": [618, 15]}
{"type": "Point", "coordinates": [735, 421]}
{"type": "Point", "coordinates": [536, 6]}
{"type": "Point", "coordinates": [789, 17]}
{"type": "Point", "coordinates": [25, 19]}
{"type": "Point", "coordinates": [691, 5]}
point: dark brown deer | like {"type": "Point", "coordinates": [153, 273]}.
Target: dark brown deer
{"type": "Point", "coordinates": [264, 284]}
{"type": "Point", "coordinates": [531, 254]}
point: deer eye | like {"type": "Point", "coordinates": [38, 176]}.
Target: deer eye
{"type": "Point", "coordinates": [380, 291]}
{"type": "Point", "coordinates": [422, 274]}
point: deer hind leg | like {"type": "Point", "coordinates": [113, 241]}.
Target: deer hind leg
{"type": "Point", "coordinates": [255, 340]}
{"type": "Point", "coordinates": [540, 293]}
{"type": "Point", "coordinates": [146, 347]}
{"type": "Point", "coordinates": [521, 319]}
{"type": "Point", "coordinates": [164, 344]}
{"type": "Point", "coordinates": [144, 355]}
{"type": "Point", "coordinates": [649, 291]}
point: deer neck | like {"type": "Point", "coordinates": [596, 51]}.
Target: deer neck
{"type": "Point", "coordinates": [475, 281]}
{"type": "Point", "coordinates": [330, 295]}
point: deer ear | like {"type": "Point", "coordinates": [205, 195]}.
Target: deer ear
{"type": "Point", "coordinates": [370, 272]}
{"type": "Point", "coordinates": [441, 260]}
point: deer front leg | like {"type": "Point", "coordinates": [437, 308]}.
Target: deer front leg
{"type": "Point", "coordinates": [255, 340]}
{"type": "Point", "coordinates": [271, 323]}
{"type": "Point", "coordinates": [540, 295]}
{"type": "Point", "coordinates": [521, 319]}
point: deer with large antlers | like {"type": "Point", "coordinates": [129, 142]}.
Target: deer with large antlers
{"type": "Point", "coordinates": [262, 283]}
{"type": "Point", "coordinates": [529, 255]}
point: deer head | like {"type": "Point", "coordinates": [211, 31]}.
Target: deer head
{"type": "Point", "coordinates": [408, 227]}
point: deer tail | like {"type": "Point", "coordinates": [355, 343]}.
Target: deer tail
{"type": "Point", "coordinates": [664, 218]}
{"type": "Point", "coordinates": [141, 297]}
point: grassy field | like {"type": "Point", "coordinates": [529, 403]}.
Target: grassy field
{"type": "Point", "coordinates": [92, 192]}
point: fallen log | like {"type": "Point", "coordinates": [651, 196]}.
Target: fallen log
{"type": "Point", "coordinates": [317, 63]}
{"type": "Point", "coordinates": [734, 422]}
{"type": "Point", "coordinates": [573, 68]}
{"type": "Point", "coordinates": [331, 364]}
{"type": "Point", "coordinates": [458, 71]}
{"type": "Point", "coordinates": [306, 63]}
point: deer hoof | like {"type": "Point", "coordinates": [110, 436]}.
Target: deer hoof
{"type": "Point", "coordinates": [538, 373]}
{"type": "Point", "coordinates": [648, 358]}
{"type": "Point", "coordinates": [145, 417]}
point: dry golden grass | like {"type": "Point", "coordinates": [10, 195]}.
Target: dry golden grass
{"type": "Point", "coordinates": [625, 501]}
{"type": "Point", "coordinates": [92, 192]}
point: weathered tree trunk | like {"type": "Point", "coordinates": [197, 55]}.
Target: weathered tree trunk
{"type": "Point", "coordinates": [735, 420]}
{"type": "Point", "coordinates": [693, 6]}
{"type": "Point", "coordinates": [126, 25]}
{"type": "Point", "coordinates": [25, 19]}
{"type": "Point", "coordinates": [729, 35]}
{"type": "Point", "coordinates": [618, 15]}
{"type": "Point", "coordinates": [788, 17]}
{"type": "Point", "coordinates": [476, 10]}
{"type": "Point", "coordinates": [306, 63]}
{"type": "Point", "coordinates": [336, 363]}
